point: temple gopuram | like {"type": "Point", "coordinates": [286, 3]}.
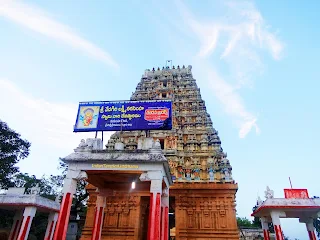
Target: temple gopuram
{"type": "Point", "coordinates": [202, 197]}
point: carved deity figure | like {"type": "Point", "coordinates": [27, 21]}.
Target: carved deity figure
{"type": "Point", "coordinates": [188, 174]}
{"type": "Point", "coordinates": [196, 173]}
{"type": "Point", "coordinates": [203, 165]}
{"type": "Point", "coordinates": [173, 166]}
{"type": "Point", "coordinates": [171, 142]}
{"type": "Point", "coordinates": [211, 173]}
{"type": "Point", "coordinates": [180, 172]}
{"type": "Point", "coordinates": [268, 193]}
{"type": "Point", "coordinates": [82, 143]}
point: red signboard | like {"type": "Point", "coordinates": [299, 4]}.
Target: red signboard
{"type": "Point", "coordinates": [296, 193]}
{"type": "Point", "coordinates": [156, 114]}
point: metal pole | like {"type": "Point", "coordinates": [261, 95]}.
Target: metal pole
{"type": "Point", "coordinates": [102, 138]}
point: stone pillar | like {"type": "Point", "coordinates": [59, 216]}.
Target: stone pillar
{"type": "Point", "coordinates": [28, 215]}
{"type": "Point", "coordinates": [165, 215]}
{"type": "Point", "coordinates": [275, 216]}
{"type": "Point", "coordinates": [69, 188]}
{"type": "Point", "coordinates": [52, 220]}
{"type": "Point", "coordinates": [310, 227]}
{"type": "Point", "coordinates": [155, 209]}
{"type": "Point", "coordinates": [16, 225]}
{"type": "Point", "coordinates": [98, 217]}
{"type": "Point", "coordinates": [265, 228]}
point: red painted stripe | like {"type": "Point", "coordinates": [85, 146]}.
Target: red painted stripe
{"type": "Point", "coordinates": [48, 237]}
{"type": "Point", "coordinates": [166, 224]}
{"type": "Point", "coordinates": [151, 217]}
{"type": "Point", "coordinates": [15, 230]}
{"type": "Point", "coordinates": [19, 228]}
{"type": "Point", "coordinates": [99, 222]}
{"type": "Point", "coordinates": [312, 235]}
{"type": "Point", "coordinates": [162, 223]}
{"type": "Point", "coordinates": [63, 220]}
{"type": "Point", "coordinates": [266, 234]}
{"type": "Point", "coordinates": [94, 223]}
{"type": "Point", "coordinates": [154, 217]}
{"type": "Point", "coordinates": [278, 231]}
{"type": "Point", "coordinates": [157, 216]}
{"type": "Point", "coordinates": [25, 227]}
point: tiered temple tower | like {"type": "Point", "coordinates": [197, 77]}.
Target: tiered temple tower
{"type": "Point", "coordinates": [203, 194]}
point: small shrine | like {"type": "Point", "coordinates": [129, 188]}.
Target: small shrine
{"type": "Point", "coordinates": [128, 187]}
{"type": "Point", "coordinates": [296, 204]}
{"type": "Point", "coordinates": [25, 207]}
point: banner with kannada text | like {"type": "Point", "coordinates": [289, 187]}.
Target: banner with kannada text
{"type": "Point", "coordinates": [124, 115]}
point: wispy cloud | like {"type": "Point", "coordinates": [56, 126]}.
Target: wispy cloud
{"type": "Point", "coordinates": [236, 40]}
{"type": "Point", "coordinates": [47, 125]}
{"type": "Point", "coordinates": [39, 21]}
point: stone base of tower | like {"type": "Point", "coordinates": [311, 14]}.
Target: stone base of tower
{"type": "Point", "coordinates": [204, 211]}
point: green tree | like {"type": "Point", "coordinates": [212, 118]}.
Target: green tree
{"type": "Point", "coordinates": [12, 150]}
{"type": "Point", "coordinates": [244, 222]}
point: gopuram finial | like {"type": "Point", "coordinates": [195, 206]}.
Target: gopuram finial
{"type": "Point", "coordinates": [268, 193]}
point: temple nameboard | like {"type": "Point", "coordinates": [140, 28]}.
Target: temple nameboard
{"type": "Point", "coordinates": [124, 116]}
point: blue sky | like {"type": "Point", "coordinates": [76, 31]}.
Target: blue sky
{"type": "Point", "coordinates": [256, 64]}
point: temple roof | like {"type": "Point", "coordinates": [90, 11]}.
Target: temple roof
{"type": "Point", "coordinates": [292, 207]}
{"type": "Point", "coordinates": [15, 201]}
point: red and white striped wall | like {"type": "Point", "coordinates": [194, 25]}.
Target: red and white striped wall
{"type": "Point", "coordinates": [17, 221]}
{"type": "Point", "coordinates": [165, 215]}
{"type": "Point", "coordinates": [28, 215]}
{"type": "Point", "coordinates": [310, 229]}
{"type": "Point", "coordinates": [52, 221]}
{"type": "Point", "coordinates": [265, 228]}
{"type": "Point", "coordinates": [98, 218]}
{"type": "Point", "coordinates": [275, 216]}
{"type": "Point", "coordinates": [154, 230]}
{"type": "Point", "coordinates": [69, 189]}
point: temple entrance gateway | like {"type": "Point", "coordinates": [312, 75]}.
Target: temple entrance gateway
{"type": "Point", "coordinates": [296, 204]}
{"type": "Point", "coordinates": [129, 189]}
{"type": "Point", "coordinates": [166, 107]}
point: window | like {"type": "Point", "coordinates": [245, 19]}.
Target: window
{"type": "Point", "coordinates": [164, 95]}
